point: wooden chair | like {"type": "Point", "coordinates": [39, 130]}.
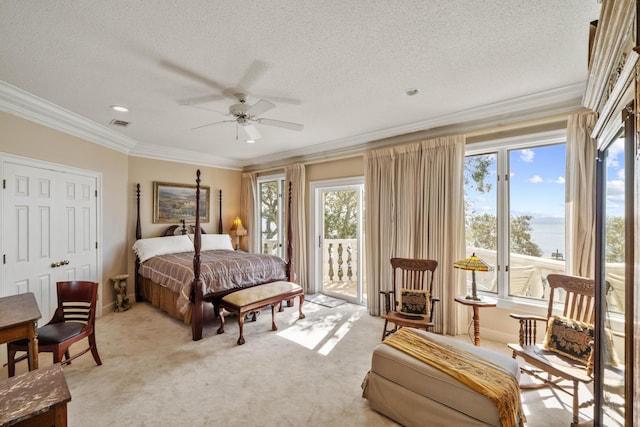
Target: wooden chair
{"type": "Point", "coordinates": [551, 367]}
{"type": "Point", "coordinates": [414, 274]}
{"type": "Point", "coordinates": [73, 320]}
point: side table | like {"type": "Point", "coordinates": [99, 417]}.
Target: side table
{"type": "Point", "coordinates": [36, 398]}
{"type": "Point", "coordinates": [476, 305]}
{"type": "Point", "coordinates": [19, 316]}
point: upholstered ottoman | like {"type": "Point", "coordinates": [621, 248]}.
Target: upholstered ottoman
{"type": "Point", "coordinates": [256, 297]}
{"type": "Point", "coordinates": [414, 393]}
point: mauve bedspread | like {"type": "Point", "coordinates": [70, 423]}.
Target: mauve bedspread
{"type": "Point", "coordinates": [221, 270]}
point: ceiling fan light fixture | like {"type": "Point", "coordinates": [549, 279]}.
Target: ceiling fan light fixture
{"type": "Point", "coordinates": [120, 108]}
{"type": "Point", "coordinates": [250, 141]}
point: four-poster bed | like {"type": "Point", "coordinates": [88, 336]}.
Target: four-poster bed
{"type": "Point", "coordinates": [180, 273]}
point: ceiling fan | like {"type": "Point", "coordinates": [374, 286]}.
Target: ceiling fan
{"type": "Point", "coordinates": [246, 116]}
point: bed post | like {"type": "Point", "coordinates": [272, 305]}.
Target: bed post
{"type": "Point", "coordinates": [220, 212]}
{"type": "Point", "coordinates": [197, 315]}
{"type": "Point", "coordinates": [291, 275]}
{"type": "Point", "coordinates": [138, 237]}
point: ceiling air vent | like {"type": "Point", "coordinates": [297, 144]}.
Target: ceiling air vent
{"type": "Point", "coordinates": [117, 122]}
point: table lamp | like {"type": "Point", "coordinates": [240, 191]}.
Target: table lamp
{"type": "Point", "coordinates": [238, 230]}
{"type": "Point", "coordinates": [474, 264]}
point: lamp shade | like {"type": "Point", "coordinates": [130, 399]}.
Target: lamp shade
{"type": "Point", "coordinates": [472, 263]}
{"type": "Point", "coordinates": [237, 229]}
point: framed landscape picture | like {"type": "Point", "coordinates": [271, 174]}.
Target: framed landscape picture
{"type": "Point", "coordinates": [173, 203]}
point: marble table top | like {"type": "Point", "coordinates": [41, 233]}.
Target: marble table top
{"type": "Point", "coordinates": [32, 393]}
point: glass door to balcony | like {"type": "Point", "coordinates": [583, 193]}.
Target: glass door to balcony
{"type": "Point", "coordinates": [338, 255]}
{"type": "Point", "coordinates": [615, 253]}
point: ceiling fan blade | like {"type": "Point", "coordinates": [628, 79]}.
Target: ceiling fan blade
{"type": "Point", "coordinates": [280, 123]}
{"type": "Point", "coordinates": [251, 131]}
{"type": "Point", "coordinates": [255, 71]}
{"type": "Point", "coordinates": [211, 124]}
{"type": "Point", "coordinates": [200, 99]}
{"type": "Point", "coordinates": [190, 74]}
{"type": "Point", "coordinates": [202, 107]}
{"type": "Point", "coordinates": [260, 107]}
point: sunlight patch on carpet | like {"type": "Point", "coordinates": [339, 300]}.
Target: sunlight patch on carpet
{"type": "Point", "coordinates": [324, 300]}
{"type": "Point", "coordinates": [324, 332]}
{"type": "Point", "coordinates": [340, 333]}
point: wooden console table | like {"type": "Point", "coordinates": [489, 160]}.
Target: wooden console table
{"type": "Point", "coordinates": [35, 398]}
{"type": "Point", "coordinates": [19, 316]}
{"type": "Point", "coordinates": [476, 305]}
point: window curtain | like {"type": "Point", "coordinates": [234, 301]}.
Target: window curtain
{"type": "Point", "coordinates": [414, 205]}
{"type": "Point", "coordinates": [249, 184]}
{"type": "Point", "coordinates": [295, 174]}
{"type": "Point", "coordinates": [580, 194]}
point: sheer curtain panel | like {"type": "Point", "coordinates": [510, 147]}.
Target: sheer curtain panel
{"type": "Point", "coordinates": [415, 209]}
{"type": "Point", "coordinates": [580, 193]}
{"type": "Point", "coordinates": [249, 185]}
{"type": "Point", "coordinates": [296, 175]}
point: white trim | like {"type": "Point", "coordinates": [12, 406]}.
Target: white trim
{"type": "Point", "coordinates": [315, 256]}
{"type": "Point", "coordinates": [23, 104]}
{"type": "Point", "coordinates": [279, 178]}
{"type": "Point", "coordinates": [542, 104]}
{"type": "Point", "coordinates": [545, 103]}
{"type": "Point", "coordinates": [558, 136]}
{"type": "Point", "coordinates": [171, 154]}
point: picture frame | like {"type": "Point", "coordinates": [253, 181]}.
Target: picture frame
{"type": "Point", "coordinates": [173, 203]}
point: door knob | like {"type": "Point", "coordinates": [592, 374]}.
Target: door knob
{"type": "Point", "coordinates": [60, 263]}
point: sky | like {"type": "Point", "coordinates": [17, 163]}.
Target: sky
{"type": "Point", "coordinates": [615, 178]}
{"type": "Point", "coordinates": [537, 182]}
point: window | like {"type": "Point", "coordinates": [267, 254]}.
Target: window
{"type": "Point", "coordinates": [614, 224]}
{"type": "Point", "coordinates": [271, 215]}
{"type": "Point", "coordinates": [515, 213]}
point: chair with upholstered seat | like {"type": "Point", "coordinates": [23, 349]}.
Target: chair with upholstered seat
{"type": "Point", "coordinates": [412, 289]}
{"type": "Point", "coordinates": [73, 320]}
{"type": "Point", "coordinates": [566, 351]}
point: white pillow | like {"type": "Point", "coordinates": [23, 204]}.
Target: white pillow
{"type": "Point", "coordinates": [153, 246]}
{"type": "Point", "coordinates": [211, 242]}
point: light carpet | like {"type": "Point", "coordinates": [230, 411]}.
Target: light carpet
{"type": "Point", "coordinates": [308, 373]}
{"type": "Point", "coordinates": [324, 300]}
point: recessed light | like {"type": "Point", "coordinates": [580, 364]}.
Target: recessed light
{"type": "Point", "coordinates": [119, 108]}
{"type": "Point", "coordinates": [250, 141]}
{"type": "Point", "coordinates": [411, 91]}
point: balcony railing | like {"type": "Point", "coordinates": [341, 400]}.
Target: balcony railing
{"type": "Point", "coordinates": [528, 277]}
{"type": "Point", "coordinates": [528, 274]}
{"type": "Point", "coordinates": [340, 273]}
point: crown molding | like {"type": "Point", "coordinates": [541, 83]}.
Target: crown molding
{"type": "Point", "coordinates": [28, 106]}
{"type": "Point", "coordinates": [529, 107]}
{"type": "Point", "coordinates": [170, 154]}
{"type": "Point", "coordinates": [555, 101]}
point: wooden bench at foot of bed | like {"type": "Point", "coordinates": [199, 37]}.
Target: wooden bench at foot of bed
{"type": "Point", "coordinates": [257, 297]}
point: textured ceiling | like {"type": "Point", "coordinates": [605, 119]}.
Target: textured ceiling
{"type": "Point", "coordinates": [338, 67]}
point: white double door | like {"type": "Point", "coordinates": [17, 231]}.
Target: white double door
{"type": "Point", "coordinates": [49, 228]}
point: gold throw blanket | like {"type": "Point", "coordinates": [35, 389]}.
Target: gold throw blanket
{"type": "Point", "coordinates": [479, 374]}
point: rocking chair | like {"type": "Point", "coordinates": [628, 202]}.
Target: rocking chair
{"type": "Point", "coordinates": [568, 345]}
{"type": "Point", "coordinates": [413, 276]}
